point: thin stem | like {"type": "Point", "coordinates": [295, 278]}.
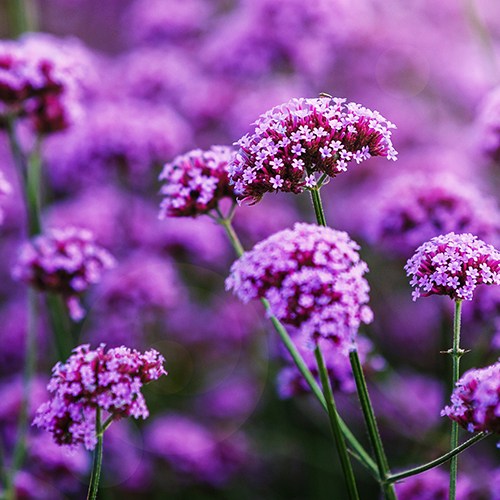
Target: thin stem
{"type": "Point", "coordinates": [456, 354]}
{"type": "Point", "coordinates": [318, 207]}
{"type": "Point", "coordinates": [22, 16]}
{"type": "Point", "coordinates": [371, 424]}
{"type": "Point", "coordinates": [335, 426]}
{"type": "Point", "coordinates": [60, 325]}
{"type": "Point", "coordinates": [33, 189]}
{"type": "Point", "coordinates": [28, 373]}
{"type": "Point", "coordinates": [357, 449]}
{"type": "Point", "coordinates": [362, 389]}
{"type": "Point", "coordinates": [438, 461]}
{"type": "Point", "coordinates": [97, 461]}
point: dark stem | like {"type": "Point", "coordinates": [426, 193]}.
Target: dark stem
{"type": "Point", "coordinates": [335, 426]}
{"type": "Point", "coordinates": [97, 461]}
{"type": "Point", "coordinates": [456, 354]}
{"type": "Point", "coordinates": [22, 16]}
{"type": "Point", "coordinates": [438, 461]}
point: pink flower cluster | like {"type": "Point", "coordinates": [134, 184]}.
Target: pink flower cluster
{"type": "Point", "coordinates": [36, 83]}
{"type": "Point", "coordinates": [453, 265]}
{"type": "Point", "coordinates": [63, 261]}
{"type": "Point", "coordinates": [303, 137]}
{"type": "Point", "coordinates": [195, 182]}
{"type": "Point", "coordinates": [90, 379]}
{"type": "Point", "coordinates": [312, 277]}
{"type": "Point", "coordinates": [475, 402]}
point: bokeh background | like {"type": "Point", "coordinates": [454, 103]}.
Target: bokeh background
{"type": "Point", "coordinates": [160, 77]}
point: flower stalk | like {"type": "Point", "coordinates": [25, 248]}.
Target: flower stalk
{"type": "Point", "coordinates": [97, 460]}
{"type": "Point", "coordinates": [362, 389]}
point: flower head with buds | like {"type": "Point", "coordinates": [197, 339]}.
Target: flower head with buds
{"type": "Point", "coordinates": [312, 277]}
{"type": "Point", "coordinates": [96, 379]}
{"type": "Point", "coordinates": [453, 265]}
{"type": "Point", "coordinates": [63, 261]}
{"type": "Point", "coordinates": [475, 402]}
{"type": "Point", "coordinates": [303, 137]}
{"type": "Point", "coordinates": [195, 182]}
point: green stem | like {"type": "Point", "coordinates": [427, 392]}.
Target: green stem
{"type": "Point", "coordinates": [371, 424]}
{"type": "Point", "coordinates": [33, 189]}
{"type": "Point", "coordinates": [438, 461]}
{"type": "Point", "coordinates": [60, 325]}
{"type": "Point", "coordinates": [335, 426]}
{"type": "Point", "coordinates": [362, 389]}
{"type": "Point", "coordinates": [318, 207]}
{"type": "Point", "coordinates": [22, 16]}
{"type": "Point", "coordinates": [19, 452]}
{"type": "Point", "coordinates": [456, 354]}
{"type": "Point", "coordinates": [97, 461]}
{"type": "Point", "coordinates": [357, 449]}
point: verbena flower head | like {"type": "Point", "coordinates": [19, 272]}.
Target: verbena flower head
{"type": "Point", "coordinates": [39, 80]}
{"type": "Point", "coordinates": [303, 137]}
{"type": "Point", "coordinates": [313, 278]}
{"type": "Point", "coordinates": [110, 380]}
{"type": "Point", "coordinates": [453, 265]}
{"type": "Point", "coordinates": [195, 182]}
{"type": "Point", "coordinates": [415, 207]}
{"type": "Point", "coordinates": [64, 261]}
{"type": "Point", "coordinates": [475, 401]}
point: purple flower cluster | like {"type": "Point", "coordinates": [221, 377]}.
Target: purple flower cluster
{"type": "Point", "coordinates": [195, 182]}
{"type": "Point", "coordinates": [195, 451]}
{"type": "Point", "coordinates": [453, 265]}
{"type": "Point", "coordinates": [312, 277]}
{"type": "Point", "coordinates": [90, 379]}
{"type": "Point", "coordinates": [64, 261]}
{"type": "Point", "coordinates": [415, 207]}
{"type": "Point", "coordinates": [303, 137]}
{"type": "Point", "coordinates": [38, 81]}
{"type": "Point", "coordinates": [475, 402]}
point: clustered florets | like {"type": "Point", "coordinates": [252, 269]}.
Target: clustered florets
{"type": "Point", "coordinates": [303, 137]}
{"type": "Point", "coordinates": [453, 265]}
{"type": "Point", "coordinates": [415, 207]}
{"type": "Point", "coordinates": [33, 84]}
{"type": "Point", "coordinates": [312, 277]}
{"type": "Point", "coordinates": [63, 261]}
{"type": "Point", "coordinates": [91, 379]}
{"type": "Point", "coordinates": [475, 402]}
{"type": "Point", "coordinates": [195, 182]}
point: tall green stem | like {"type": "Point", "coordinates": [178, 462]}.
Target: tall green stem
{"type": "Point", "coordinates": [97, 461]}
{"type": "Point", "coordinates": [335, 426]}
{"type": "Point", "coordinates": [438, 461]}
{"type": "Point", "coordinates": [22, 16]}
{"type": "Point", "coordinates": [456, 354]}
{"type": "Point", "coordinates": [357, 449]}
{"type": "Point", "coordinates": [362, 389]}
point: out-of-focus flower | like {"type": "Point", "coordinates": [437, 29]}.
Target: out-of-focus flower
{"type": "Point", "coordinates": [90, 379]}
{"type": "Point", "coordinates": [64, 261]}
{"type": "Point", "coordinates": [196, 451]}
{"type": "Point", "coordinates": [303, 137]}
{"type": "Point", "coordinates": [415, 397]}
{"type": "Point", "coordinates": [453, 265]}
{"type": "Point", "coordinates": [475, 401]}
{"type": "Point", "coordinates": [488, 126]}
{"type": "Point", "coordinates": [40, 80]}
{"type": "Point", "coordinates": [121, 140]}
{"type": "Point", "coordinates": [138, 292]}
{"type": "Point", "coordinates": [432, 485]}
{"type": "Point", "coordinates": [312, 277]}
{"type": "Point", "coordinates": [5, 188]}
{"type": "Point", "coordinates": [157, 21]}
{"type": "Point", "coordinates": [195, 182]}
{"type": "Point", "coordinates": [291, 383]}
{"type": "Point", "coordinates": [416, 207]}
